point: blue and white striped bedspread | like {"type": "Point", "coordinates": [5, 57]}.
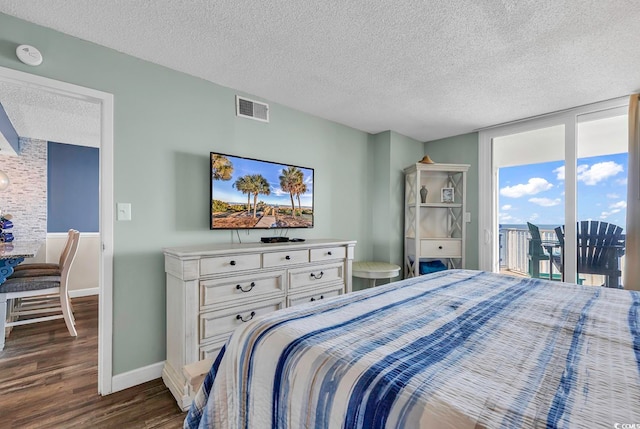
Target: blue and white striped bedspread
{"type": "Point", "coordinates": [454, 349]}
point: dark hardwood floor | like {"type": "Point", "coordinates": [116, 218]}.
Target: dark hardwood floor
{"type": "Point", "coordinates": [50, 380]}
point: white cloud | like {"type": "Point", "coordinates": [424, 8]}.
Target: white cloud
{"type": "Point", "coordinates": [619, 205]}
{"type": "Point", "coordinates": [613, 196]}
{"type": "Point", "coordinates": [605, 215]}
{"type": "Point", "coordinates": [277, 191]}
{"type": "Point", "coordinates": [507, 218]}
{"type": "Point", "coordinates": [545, 202]}
{"type": "Point", "coordinates": [598, 172]}
{"type": "Point", "coordinates": [534, 186]}
{"type": "Point", "coordinates": [614, 208]}
{"type": "Point", "coordinates": [560, 171]}
{"type": "Point", "coordinates": [622, 182]}
{"type": "Point", "coordinates": [506, 207]}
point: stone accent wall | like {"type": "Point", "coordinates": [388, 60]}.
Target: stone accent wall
{"type": "Point", "coordinates": [26, 196]}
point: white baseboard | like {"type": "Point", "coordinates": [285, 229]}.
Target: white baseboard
{"type": "Point", "coordinates": [136, 376]}
{"type": "Point", "coordinates": [84, 292]}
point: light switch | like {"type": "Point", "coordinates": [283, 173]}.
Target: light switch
{"type": "Point", "coordinates": [467, 217]}
{"type": "Point", "coordinates": [124, 211]}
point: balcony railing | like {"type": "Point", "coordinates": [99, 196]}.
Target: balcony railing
{"type": "Point", "coordinates": [514, 248]}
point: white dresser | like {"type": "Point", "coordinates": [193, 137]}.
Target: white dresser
{"type": "Point", "coordinates": [212, 289]}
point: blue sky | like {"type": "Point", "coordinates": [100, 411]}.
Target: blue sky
{"type": "Point", "coordinates": [224, 190]}
{"type": "Point", "coordinates": [535, 192]}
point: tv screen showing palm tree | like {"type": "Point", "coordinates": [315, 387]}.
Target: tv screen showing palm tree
{"type": "Point", "coordinates": [253, 194]}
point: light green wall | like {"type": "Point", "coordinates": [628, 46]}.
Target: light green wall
{"type": "Point", "coordinates": [381, 195]}
{"type": "Point", "coordinates": [462, 149]}
{"type": "Point", "coordinates": [393, 152]}
{"type": "Point", "coordinates": [404, 152]}
{"type": "Point", "coordinates": [166, 123]}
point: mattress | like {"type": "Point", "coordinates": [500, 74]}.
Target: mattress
{"type": "Point", "coordinates": [452, 349]}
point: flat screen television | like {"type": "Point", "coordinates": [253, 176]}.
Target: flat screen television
{"type": "Point", "coordinates": [249, 193]}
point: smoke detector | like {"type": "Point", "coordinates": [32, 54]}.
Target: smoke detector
{"type": "Point", "coordinates": [29, 55]}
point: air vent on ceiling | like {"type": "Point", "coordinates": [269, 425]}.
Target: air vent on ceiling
{"type": "Point", "coordinates": [252, 109]}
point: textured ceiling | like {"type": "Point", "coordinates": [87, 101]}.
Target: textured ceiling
{"type": "Point", "coordinates": [426, 69]}
{"type": "Point", "coordinates": [43, 115]}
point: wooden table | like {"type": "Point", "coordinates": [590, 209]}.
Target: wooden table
{"type": "Point", "coordinates": [11, 254]}
{"type": "Point", "coordinates": [375, 270]}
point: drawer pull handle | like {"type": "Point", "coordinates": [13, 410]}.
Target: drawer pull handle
{"type": "Point", "coordinates": [238, 287]}
{"type": "Point", "coordinates": [288, 258]}
{"type": "Point", "coordinates": [239, 317]}
{"type": "Point", "coordinates": [318, 276]}
{"type": "Point", "coordinates": [232, 263]}
{"type": "Point", "coordinates": [440, 247]}
{"type": "Point", "coordinates": [321, 297]}
{"type": "Point", "coordinates": [329, 253]}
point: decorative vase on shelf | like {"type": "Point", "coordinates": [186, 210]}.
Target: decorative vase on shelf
{"type": "Point", "coordinates": [423, 194]}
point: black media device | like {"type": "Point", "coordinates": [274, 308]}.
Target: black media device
{"type": "Point", "coordinates": [274, 239]}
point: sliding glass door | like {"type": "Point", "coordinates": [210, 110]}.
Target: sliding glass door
{"type": "Point", "coordinates": [540, 175]}
{"type": "Point", "coordinates": [530, 196]}
{"type": "Point", "coordinates": [601, 175]}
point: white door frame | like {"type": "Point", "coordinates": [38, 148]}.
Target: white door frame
{"type": "Point", "coordinates": [487, 209]}
{"type": "Point", "coordinates": [105, 283]}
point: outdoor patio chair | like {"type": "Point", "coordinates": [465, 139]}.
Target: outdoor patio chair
{"type": "Point", "coordinates": [600, 245]}
{"type": "Point", "coordinates": [538, 253]}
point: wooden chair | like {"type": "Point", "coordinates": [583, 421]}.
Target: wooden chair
{"type": "Point", "coordinates": [44, 268]}
{"type": "Point", "coordinates": [537, 252]}
{"type": "Point", "coordinates": [39, 295]}
{"type": "Point", "coordinates": [599, 248]}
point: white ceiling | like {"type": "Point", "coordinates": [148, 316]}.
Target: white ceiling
{"type": "Point", "coordinates": [39, 114]}
{"type": "Point", "coordinates": [426, 69]}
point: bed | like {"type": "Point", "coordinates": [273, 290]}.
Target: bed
{"type": "Point", "coordinates": [454, 349]}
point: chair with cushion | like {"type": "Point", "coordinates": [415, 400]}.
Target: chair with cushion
{"type": "Point", "coordinates": [537, 252]}
{"type": "Point", "coordinates": [41, 268]}
{"type": "Point", "coordinates": [46, 297]}
{"type": "Point", "coordinates": [599, 248]}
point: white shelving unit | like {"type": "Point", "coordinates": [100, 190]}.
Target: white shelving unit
{"type": "Point", "coordinates": [434, 230]}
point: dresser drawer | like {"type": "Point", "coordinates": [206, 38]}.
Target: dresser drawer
{"type": "Point", "coordinates": [223, 322]}
{"type": "Point", "coordinates": [241, 288]}
{"type": "Point", "coordinates": [328, 253]}
{"type": "Point", "coordinates": [211, 350]}
{"type": "Point", "coordinates": [229, 264]}
{"type": "Point", "coordinates": [315, 276]}
{"type": "Point", "coordinates": [314, 295]}
{"type": "Point", "coordinates": [290, 257]}
{"type": "Point", "coordinates": [451, 248]}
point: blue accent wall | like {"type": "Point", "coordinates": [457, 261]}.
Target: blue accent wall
{"type": "Point", "coordinates": [73, 192]}
{"type": "Point", "coordinates": [7, 130]}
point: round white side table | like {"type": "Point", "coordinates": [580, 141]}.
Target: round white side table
{"type": "Point", "coordinates": [375, 270]}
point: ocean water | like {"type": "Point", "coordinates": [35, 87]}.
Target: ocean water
{"type": "Point", "coordinates": [524, 226]}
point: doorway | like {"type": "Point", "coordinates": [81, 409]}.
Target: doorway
{"type": "Point", "coordinates": [105, 103]}
{"type": "Point", "coordinates": [538, 175]}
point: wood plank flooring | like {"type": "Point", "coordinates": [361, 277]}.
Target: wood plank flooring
{"type": "Point", "coordinates": [50, 380]}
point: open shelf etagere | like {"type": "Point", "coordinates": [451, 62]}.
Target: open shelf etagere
{"type": "Point", "coordinates": [434, 229]}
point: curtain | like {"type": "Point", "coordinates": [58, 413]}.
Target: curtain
{"type": "Point", "coordinates": [631, 274]}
